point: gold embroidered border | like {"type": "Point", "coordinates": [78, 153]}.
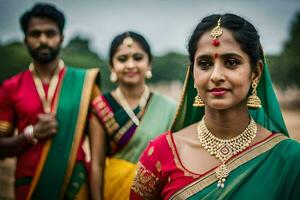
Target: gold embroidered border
{"type": "Point", "coordinates": [145, 183]}
{"type": "Point", "coordinates": [176, 159]}
{"type": "Point", "coordinates": [106, 115]}
{"type": "Point", "coordinates": [6, 128]}
{"type": "Point", "coordinates": [125, 128]}
{"type": "Point", "coordinates": [232, 164]}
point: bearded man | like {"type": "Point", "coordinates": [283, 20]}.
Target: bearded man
{"type": "Point", "coordinates": [48, 104]}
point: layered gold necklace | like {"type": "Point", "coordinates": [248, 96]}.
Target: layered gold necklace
{"type": "Point", "coordinates": [224, 149]}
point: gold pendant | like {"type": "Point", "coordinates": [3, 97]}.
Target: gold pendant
{"type": "Point", "coordinates": [222, 172]}
{"type": "Point", "coordinates": [224, 153]}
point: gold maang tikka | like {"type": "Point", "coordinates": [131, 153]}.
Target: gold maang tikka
{"type": "Point", "coordinates": [128, 41]}
{"type": "Point", "coordinates": [215, 33]}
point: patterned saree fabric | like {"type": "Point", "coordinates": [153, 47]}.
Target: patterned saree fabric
{"type": "Point", "coordinates": [127, 141]}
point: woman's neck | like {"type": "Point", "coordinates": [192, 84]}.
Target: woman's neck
{"type": "Point", "coordinates": [132, 94]}
{"type": "Point", "coordinates": [226, 124]}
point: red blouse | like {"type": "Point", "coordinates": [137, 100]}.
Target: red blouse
{"type": "Point", "coordinates": [160, 172]}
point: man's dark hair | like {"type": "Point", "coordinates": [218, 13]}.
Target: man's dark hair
{"type": "Point", "coordinates": [42, 10]}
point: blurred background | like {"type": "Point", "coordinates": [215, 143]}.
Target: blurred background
{"type": "Point", "coordinates": [167, 24]}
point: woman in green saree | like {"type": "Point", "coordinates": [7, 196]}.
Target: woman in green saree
{"type": "Point", "coordinates": [130, 116]}
{"type": "Point", "coordinates": [229, 140]}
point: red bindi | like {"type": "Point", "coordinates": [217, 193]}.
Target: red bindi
{"type": "Point", "coordinates": [216, 55]}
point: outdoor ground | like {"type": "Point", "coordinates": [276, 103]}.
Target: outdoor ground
{"type": "Point", "coordinates": [292, 120]}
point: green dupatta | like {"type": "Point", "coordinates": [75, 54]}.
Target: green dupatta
{"type": "Point", "coordinates": [269, 115]}
{"type": "Point", "coordinates": [57, 163]}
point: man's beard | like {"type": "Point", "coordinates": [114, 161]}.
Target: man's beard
{"type": "Point", "coordinates": [44, 57]}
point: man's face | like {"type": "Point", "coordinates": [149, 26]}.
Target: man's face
{"type": "Point", "coordinates": [43, 40]}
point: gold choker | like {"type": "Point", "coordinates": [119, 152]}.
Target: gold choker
{"type": "Point", "coordinates": [224, 149]}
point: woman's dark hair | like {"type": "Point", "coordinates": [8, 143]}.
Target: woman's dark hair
{"type": "Point", "coordinates": [42, 10]}
{"type": "Point", "coordinates": [243, 32]}
{"type": "Point", "coordinates": [118, 40]}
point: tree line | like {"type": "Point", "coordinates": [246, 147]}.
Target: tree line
{"type": "Point", "coordinates": [284, 67]}
{"type": "Point", "coordinates": [77, 53]}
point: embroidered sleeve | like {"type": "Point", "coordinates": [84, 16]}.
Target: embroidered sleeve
{"type": "Point", "coordinates": [105, 114]}
{"type": "Point", "coordinates": [147, 182]}
{"type": "Point", "coordinates": [96, 92]}
{"type": "Point", "coordinates": [6, 111]}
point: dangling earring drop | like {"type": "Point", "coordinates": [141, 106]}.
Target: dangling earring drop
{"type": "Point", "coordinates": [198, 102]}
{"type": "Point", "coordinates": [253, 100]}
{"type": "Point", "coordinates": [113, 77]}
{"type": "Point", "coordinates": [148, 74]}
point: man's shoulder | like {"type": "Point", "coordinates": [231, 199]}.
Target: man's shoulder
{"type": "Point", "coordinates": [15, 80]}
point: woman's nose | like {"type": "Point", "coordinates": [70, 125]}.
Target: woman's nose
{"type": "Point", "coordinates": [217, 73]}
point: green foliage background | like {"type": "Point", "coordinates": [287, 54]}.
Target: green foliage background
{"type": "Point", "coordinates": [15, 58]}
{"type": "Point", "coordinates": [285, 67]}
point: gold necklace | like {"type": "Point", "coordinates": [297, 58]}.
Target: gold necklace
{"type": "Point", "coordinates": [127, 108]}
{"type": "Point", "coordinates": [224, 149]}
{"type": "Point", "coordinates": [46, 102]}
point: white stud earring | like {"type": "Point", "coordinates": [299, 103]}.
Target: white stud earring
{"type": "Point", "coordinates": [148, 74]}
{"type": "Point", "coordinates": [113, 77]}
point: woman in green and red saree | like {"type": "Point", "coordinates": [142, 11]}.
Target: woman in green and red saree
{"type": "Point", "coordinates": [131, 115]}
{"type": "Point", "coordinates": [229, 140]}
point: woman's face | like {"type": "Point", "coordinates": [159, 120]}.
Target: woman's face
{"type": "Point", "coordinates": [130, 63]}
{"type": "Point", "coordinates": [222, 73]}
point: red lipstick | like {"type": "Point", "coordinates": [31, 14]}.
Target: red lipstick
{"type": "Point", "coordinates": [218, 91]}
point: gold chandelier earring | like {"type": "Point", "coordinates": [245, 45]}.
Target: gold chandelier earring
{"type": "Point", "coordinates": [253, 100]}
{"type": "Point", "coordinates": [198, 102]}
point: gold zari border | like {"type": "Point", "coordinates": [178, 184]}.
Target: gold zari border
{"type": "Point", "coordinates": [6, 128]}
{"type": "Point", "coordinates": [145, 183]}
